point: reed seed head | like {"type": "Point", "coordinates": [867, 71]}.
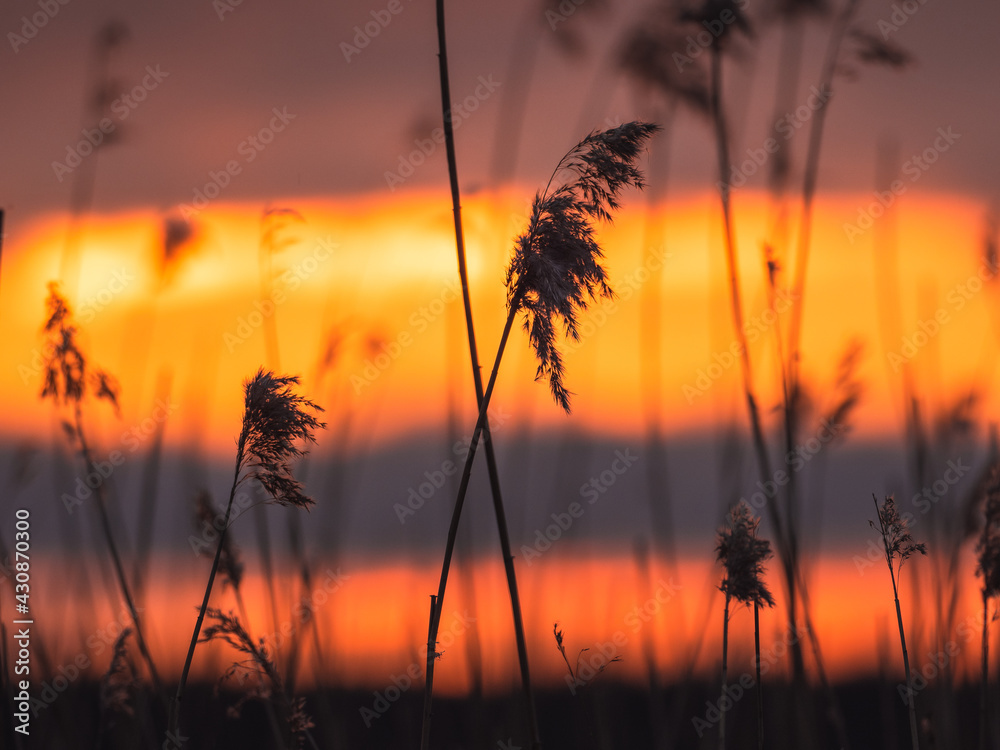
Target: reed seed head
{"type": "Point", "coordinates": [118, 683]}
{"type": "Point", "coordinates": [227, 627]}
{"type": "Point", "coordinates": [743, 554]}
{"type": "Point", "coordinates": [989, 541]}
{"type": "Point", "coordinates": [274, 418]}
{"type": "Point", "coordinates": [66, 378]}
{"type": "Point", "coordinates": [178, 243]}
{"type": "Point", "coordinates": [556, 265]}
{"type": "Point", "coordinates": [872, 49]}
{"type": "Point", "coordinates": [896, 537]}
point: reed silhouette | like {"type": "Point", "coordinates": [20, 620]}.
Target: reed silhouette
{"type": "Point", "coordinates": [553, 273]}
{"type": "Point", "coordinates": [898, 545]}
{"type": "Point", "coordinates": [742, 555]}
{"type": "Point", "coordinates": [69, 380]}
{"type": "Point", "coordinates": [494, 476]}
{"type": "Point", "coordinates": [988, 569]}
{"type": "Point", "coordinates": [274, 419]}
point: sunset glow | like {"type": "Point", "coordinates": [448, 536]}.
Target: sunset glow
{"type": "Point", "coordinates": [611, 616]}
{"type": "Point", "coordinates": [548, 374]}
{"type": "Point", "coordinates": [387, 290]}
{"type": "Point", "coordinates": [391, 312]}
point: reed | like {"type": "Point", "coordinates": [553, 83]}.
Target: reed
{"type": "Point", "coordinates": [97, 102]}
{"type": "Point", "coordinates": [117, 685]}
{"type": "Point", "coordinates": [988, 569]}
{"type": "Point", "coordinates": [742, 555]}
{"type": "Point", "coordinates": [228, 629]}
{"type": "Point", "coordinates": [553, 273]}
{"type": "Point", "coordinates": [898, 544]}
{"type": "Point", "coordinates": [477, 377]}
{"type": "Point", "coordinates": [867, 49]}
{"type": "Point", "coordinates": [274, 418]}
{"type": "Point", "coordinates": [575, 675]}
{"type": "Point", "coordinates": [68, 381]}
{"type": "Point", "coordinates": [271, 242]}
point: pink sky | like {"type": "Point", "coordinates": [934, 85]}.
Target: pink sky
{"type": "Point", "coordinates": [355, 115]}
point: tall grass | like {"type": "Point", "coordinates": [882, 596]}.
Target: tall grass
{"type": "Point", "coordinates": [274, 418]}
{"type": "Point", "coordinates": [296, 721]}
{"type": "Point", "coordinates": [729, 16]}
{"type": "Point", "coordinates": [898, 545]}
{"type": "Point", "coordinates": [97, 102]}
{"type": "Point", "coordinates": [868, 49]}
{"type": "Point", "coordinates": [989, 569]}
{"type": "Point", "coordinates": [477, 377]}
{"type": "Point", "coordinates": [742, 554]}
{"type": "Point", "coordinates": [116, 686]}
{"type": "Point", "coordinates": [69, 380]}
{"type": "Point", "coordinates": [270, 242]}
{"type": "Point", "coordinates": [553, 273]}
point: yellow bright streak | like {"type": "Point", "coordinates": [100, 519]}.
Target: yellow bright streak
{"type": "Point", "coordinates": [382, 272]}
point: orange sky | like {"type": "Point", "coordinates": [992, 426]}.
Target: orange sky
{"type": "Point", "coordinates": [372, 618]}
{"type": "Point", "coordinates": [382, 272]}
{"type": "Point", "coordinates": [365, 309]}
{"type": "Point", "coordinates": [388, 289]}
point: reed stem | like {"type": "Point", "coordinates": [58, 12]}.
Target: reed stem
{"type": "Point", "coordinates": [725, 665]}
{"type": "Point", "coordinates": [178, 697]}
{"type": "Point", "coordinates": [760, 688]}
{"type": "Point", "coordinates": [113, 549]}
{"type": "Point", "coordinates": [494, 476]}
{"type": "Point", "coordinates": [438, 601]}
{"type": "Point", "coordinates": [985, 683]}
